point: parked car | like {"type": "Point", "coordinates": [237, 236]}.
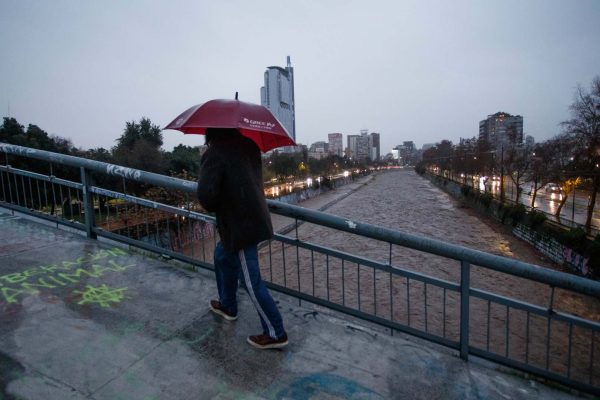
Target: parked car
{"type": "Point", "coordinates": [552, 188]}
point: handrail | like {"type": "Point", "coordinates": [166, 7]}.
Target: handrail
{"type": "Point", "coordinates": [438, 247]}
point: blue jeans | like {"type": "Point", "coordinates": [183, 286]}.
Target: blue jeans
{"type": "Point", "coordinates": [243, 264]}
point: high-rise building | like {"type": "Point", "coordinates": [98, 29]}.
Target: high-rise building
{"type": "Point", "coordinates": [336, 144]}
{"type": "Point", "coordinates": [351, 148]}
{"type": "Point", "coordinates": [501, 128]}
{"type": "Point", "coordinates": [278, 95]}
{"type": "Point", "coordinates": [364, 146]}
{"type": "Point", "coordinates": [318, 150]}
{"type": "Point", "coordinates": [374, 146]}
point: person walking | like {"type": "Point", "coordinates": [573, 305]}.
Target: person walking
{"type": "Point", "coordinates": [230, 185]}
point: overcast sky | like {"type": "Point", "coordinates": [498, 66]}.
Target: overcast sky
{"type": "Point", "coordinates": [410, 70]}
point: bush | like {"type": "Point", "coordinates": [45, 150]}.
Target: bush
{"type": "Point", "coordinates": [594, 260]}
{"type": "Point", "coordinates": [517, 213]}
{"type": "Point", "coordinates": [486, 199]}
{"type": "Point", "coordinates": [420, 168]}
{"type": "Point", "coordinates": [466, 190]}
{"type": "Point", "coordinates": [536, 218]}
{"type": "Point", "coordinates": [574, 238]}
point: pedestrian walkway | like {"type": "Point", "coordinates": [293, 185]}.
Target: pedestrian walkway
{"type": "Point", "coordinates": [321, 202]}
{"type": "Point", "coordinates": [86, 319]}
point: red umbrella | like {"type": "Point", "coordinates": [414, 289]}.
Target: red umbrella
{"type": "Point", "coordinates": [251, 120]}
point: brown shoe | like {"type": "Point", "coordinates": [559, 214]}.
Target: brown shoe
{"type": "Point", "coordinates": [217, 308]}
{"type": "Point", "coordinates": [267, 342]}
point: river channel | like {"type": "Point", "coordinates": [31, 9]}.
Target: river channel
{"type": "Point", "coordinates": [404, 201]}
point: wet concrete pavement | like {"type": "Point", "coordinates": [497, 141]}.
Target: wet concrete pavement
{"type": "Point", "coordinates": [84, 319]}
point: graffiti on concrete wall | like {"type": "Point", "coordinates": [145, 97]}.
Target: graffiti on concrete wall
{"type": "Point", "coordinates": [575, 260]}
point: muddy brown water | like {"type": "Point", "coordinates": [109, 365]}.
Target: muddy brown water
{"type": "Point", "coordinates": [403, 201]}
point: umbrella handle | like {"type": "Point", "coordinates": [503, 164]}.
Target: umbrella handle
{"type": "Point", "coordinates": [236, 95]}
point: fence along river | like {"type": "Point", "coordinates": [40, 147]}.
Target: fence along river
{"type": "Point", "coordinates": [533, 327]}
{"type": "Point", "coordinates": [404, 201]}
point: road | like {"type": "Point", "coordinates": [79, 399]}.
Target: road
{"type": "Point", "coordinates": [547, 202]}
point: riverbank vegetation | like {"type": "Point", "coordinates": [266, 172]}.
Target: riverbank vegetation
{"type": "Point", "coordinates": [514, 214]}
{"type": "Point", "coordinates": [568, 162]}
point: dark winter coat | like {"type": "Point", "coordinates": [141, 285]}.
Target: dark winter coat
{"type": "Point", "coordinates": [230, 185]}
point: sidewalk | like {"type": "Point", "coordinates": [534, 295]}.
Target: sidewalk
{"type": "Point", "coordinates": [321, 202]}
{"type": "Point", "coordinates": [86, 319]}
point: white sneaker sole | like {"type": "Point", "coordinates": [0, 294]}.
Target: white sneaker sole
{"type": "Point", "coordinates": [267, 346]}
{"type": "Point", "coordinates": [221, 313]}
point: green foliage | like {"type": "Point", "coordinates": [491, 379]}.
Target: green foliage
{"type": "Point", "coordinates": [574, 238]}
{"type": "Point", "coordinates": [139, 147]}
{"type": "Point", "coordinates": [517, 213]}
{"type": "Point", "coordinates": [14, 133]}
{"type": "Point", "coordinates": [536, 218]}
{"type": "Point", "coordinates": [420, 168]}
{"type": "Point", "coordinates": [486, 199]}
{"type": "Point", "coordinates": [594, 252]}
{"type": "Point", "coordinates": [284, 164]}
{"type": "Point", "coordinates": [144, 130]}
{"type": "Point", "coordinates": [184, 158]}
{"type": "Point", "coordinates": [466, 190]}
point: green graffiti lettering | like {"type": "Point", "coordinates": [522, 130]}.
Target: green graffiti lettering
{"type": "Point", "coordinates": [10, 294]}
{"type": "Point", "coordinates": [118, 268]}
{"type": "Point", "coordinates": [50, 269]}
{"type": "Point", "coordinates": [61, 283]}
{"type": "Point", "coordinates": [102, 295]}
{"type": "Point", "coordinates": [76, 276]}
{"type": "Point", "coordinates": [32, 272]}
{"type": "Point", "coordinates": [115, 252]}
{"type": "Point", "coordinates": [41, 283]}
{"type": "Point", "coordinates": [99, 270]}
{"type": "Point", "coordinates": [79, 261]}
{"type": "Point", "coordinates": [62, 273]}
{"type": "Point", "coordinates": [16, 277]}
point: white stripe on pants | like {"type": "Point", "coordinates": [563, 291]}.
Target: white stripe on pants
{"type": "Point", "coordinates": [242, 257]}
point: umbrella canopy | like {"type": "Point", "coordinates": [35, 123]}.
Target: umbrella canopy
{"type": "Point", "coordinates": [251, 120]}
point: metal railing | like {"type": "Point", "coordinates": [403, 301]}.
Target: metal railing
{"type": "Point", "coordinates": [518, 314]}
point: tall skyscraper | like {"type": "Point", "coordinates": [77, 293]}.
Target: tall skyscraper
{"type": "Point", "coordinates": [501, 128]}
{"type": "Point", "coordinates": [351, 148]}
{"type": "Point", "coordinates": [336, 144]}
{"type": "Point", "coordinates": [374, 146]}
{"type": "Point", "coordinates": [278, 95]}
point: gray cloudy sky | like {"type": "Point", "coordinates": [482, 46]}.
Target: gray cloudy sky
{"type": "Point", "coordinates": [411, 70]}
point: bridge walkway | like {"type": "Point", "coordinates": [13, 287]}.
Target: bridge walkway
{"type": "Point", "coordinates": [87, 319]}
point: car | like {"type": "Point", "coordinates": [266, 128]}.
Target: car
{"type": "Point", "coordinates": [552, 188]}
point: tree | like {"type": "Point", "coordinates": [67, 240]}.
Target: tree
{"type": "Point", "coordinates": [568, 186]}
{"type": "Point", "coordinates": [139, 147]}
{"type": "Point", "coordinates": [517, 159]}
{"type": "Point", "coordinates": [284, 164]}
{"type": "Point", "coordinates": [12, 132]}
{"type": "Point", "coordinates": [539, 173]}
{"type": "Point", "coordinates": [584, 128]}
{"type": "Point", "coordinates": [184, 158]}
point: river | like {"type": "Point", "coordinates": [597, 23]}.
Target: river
{"type": "Point", "coordinates": [404, 201]}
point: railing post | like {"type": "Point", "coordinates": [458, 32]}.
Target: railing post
{"type": "Point", "coordinates": [464, 309]}
{"type": "Point", "coordinates": [88, 202]}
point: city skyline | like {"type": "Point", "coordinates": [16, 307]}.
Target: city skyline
{"type": "Point", "coordinates": [417, 72]}
{"type": "Point", "coordinates": [277, 95]}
